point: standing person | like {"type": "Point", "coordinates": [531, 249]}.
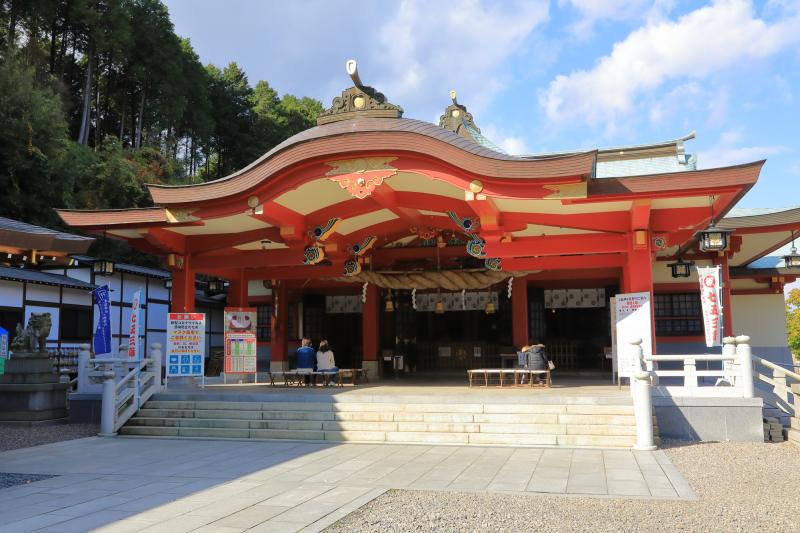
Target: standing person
{"type": "Point", "coordinates": [305, 358]}
{"type": "Point", "coordinates": [325, 360]}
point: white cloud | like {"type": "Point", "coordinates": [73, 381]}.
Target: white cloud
{"type": "Point", "coordinates": [697, 45]}
{"type": "Point", "coordinates": [727, 151]}
{"type": "Point", "coordinates": [428, 48]}
{"type": "Point", "coordinates": [592, 11]}
{"type": "Point", "coordinates": [514, 145]}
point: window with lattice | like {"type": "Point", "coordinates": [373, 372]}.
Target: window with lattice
{"type": "Point", "coordinates": [678, 315]}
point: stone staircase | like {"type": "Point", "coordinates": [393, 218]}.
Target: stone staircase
{"type": "Point", "coordinates": [436, 421]}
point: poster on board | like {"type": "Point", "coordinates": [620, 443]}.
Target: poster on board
{"type": "Point", "coordinates": [240, 340]}
{"type": "Point", "coordinates": [240, 353]}
{"type": "Point", "coordinates": [711, 300]}
{"type": "Point", "coordinates": [633, 322]}
{"type": "Point", "coordinates": [240, 319]}
{"type": "Point", "coordinates": [186, 344]}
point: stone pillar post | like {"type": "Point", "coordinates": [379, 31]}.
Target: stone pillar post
{"type": "Point", "coordinates": [642, 402]}
{"type": "Point", "coordinates": [109, 404]}
{"type": "Point", "coordinates": [745, 355]}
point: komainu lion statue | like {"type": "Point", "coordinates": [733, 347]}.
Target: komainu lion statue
{"type": "Point", "coordinates": [34, 337]}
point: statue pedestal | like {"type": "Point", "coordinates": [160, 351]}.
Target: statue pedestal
{"type": "Point", "coordinates": [30, 391]}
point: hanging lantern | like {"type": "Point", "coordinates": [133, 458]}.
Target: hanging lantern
{"type": "Point", "coordinates": [103, 267]}
{"type": "Point", "coordinates": [713, 239]}
{"type": "Point", "coordinates": [792, 260]}
{"type": "Point", "coordinates": [389, 303]}
{"type": "Point", "coordinates": [439, 307]}
{"type": "Point", "coordinates": [681, 268]}
{"type": "Point", "coordinates": [216, 286]}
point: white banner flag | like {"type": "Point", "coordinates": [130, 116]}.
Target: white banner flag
{"type": "Point", "coordinates": [133, 330]}
{"type": "Point", "coordinates": [711, 299]}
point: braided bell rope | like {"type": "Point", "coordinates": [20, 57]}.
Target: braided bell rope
{"type": "Point", "coordinates": [451, 280]}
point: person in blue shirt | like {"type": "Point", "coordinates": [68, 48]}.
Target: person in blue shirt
{"type": "Point", "coordinates": [306, 357]}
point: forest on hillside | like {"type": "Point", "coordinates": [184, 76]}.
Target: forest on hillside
{"type": "Point", "coordinates": [99, 97]}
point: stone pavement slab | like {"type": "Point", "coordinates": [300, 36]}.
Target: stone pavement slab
{"type": "Point", "coordinates": [129, 484]}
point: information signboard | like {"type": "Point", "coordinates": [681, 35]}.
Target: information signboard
{"type": "Point", "coordinates": [240, 353]}
{"type": "Point", "coordinates": [633, 322]}
{"type": "Point", "coordinates": [186, 344]}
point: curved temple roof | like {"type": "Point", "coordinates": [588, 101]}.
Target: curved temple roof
{"type": "Point", "coordinates": [359, 135]}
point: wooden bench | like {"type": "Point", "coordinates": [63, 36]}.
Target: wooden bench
{"type": "Point", "coordinates": [514, 376]}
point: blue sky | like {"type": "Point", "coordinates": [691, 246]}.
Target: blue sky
{"type": "Point", "coordinates": [542, 75]}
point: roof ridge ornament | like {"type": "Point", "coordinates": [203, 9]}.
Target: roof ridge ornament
{"type": "Point", "coordinates": [358, 101]}
{"type": "Point", "coordinates": [457, 119]}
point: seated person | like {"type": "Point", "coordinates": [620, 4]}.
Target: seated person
{"type": "Point", "coordinates": [535, 358]}
{"type": "Point", "coordinates": [305, 358]}
{"type": "Point", "coordinates": [325, 361]}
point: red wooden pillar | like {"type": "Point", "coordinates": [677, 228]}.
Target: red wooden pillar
{"type": "Point", "coordinates": [519, 313]}
{"type": "Point", "coordinates": [638, 276]}
{"type": "Point", "coordinates": [370, 313]}
{"type": "Point", "coordinates": [727, 304]}
{"type": "Point", "coordinates": [280, 328]}
{"type": "Point", "coordinates": [237, 291]}
{"type": "Point", "coordinates": [183, 288]}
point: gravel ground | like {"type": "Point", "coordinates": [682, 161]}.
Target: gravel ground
{"type": "Point", "coordinates": [741, 487]}
{"type": "Point", "coordinates": [13, 437]}
{"type": "Point", "coordinates": [11, 480]}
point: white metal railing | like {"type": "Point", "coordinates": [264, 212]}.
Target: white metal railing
{"type": "Point", "coordinates": [122, 398]}
{"type": "Point", "coordinates": [785, 384]}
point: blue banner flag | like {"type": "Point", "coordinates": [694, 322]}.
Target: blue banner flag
{"type": "Point", "coordinates": [102, 335]}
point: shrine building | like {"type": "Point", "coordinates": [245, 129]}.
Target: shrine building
{"type": "Point", "coordinates": [388, 235]}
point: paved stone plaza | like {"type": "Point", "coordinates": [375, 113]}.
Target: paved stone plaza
{"type": "Point", "coordinates": [171, 485]}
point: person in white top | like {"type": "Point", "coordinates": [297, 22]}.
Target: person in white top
{"type": "Point", "coordinates": [325, 361]}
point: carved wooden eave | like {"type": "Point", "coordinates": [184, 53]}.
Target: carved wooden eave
{"type": "Point", "coordinates": [357, 102]}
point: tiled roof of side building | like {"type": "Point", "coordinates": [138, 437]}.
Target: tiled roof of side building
{"type": "Point", "coordinates": [650, 165]}
{"type": "Point", "coordinates": [43, 278]}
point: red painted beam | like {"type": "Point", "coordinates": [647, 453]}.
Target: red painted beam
{"type": "Point", "coordinates": [640, 215]}
{"type": "Point", "coordinates": [168, 241]}
{"type": "Point", "coordinates": [207, 243]}
{"type": "Point", "coordinates": [565, 262]}
{"type": "Point", "coordinates": [613, 221]}
{"type": "Point", "coordinates": [559, 245]}
{"type": "Point", "coordinates": [292, 224]}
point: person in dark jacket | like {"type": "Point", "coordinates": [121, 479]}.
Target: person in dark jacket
{"type": "Point", "coordinates": [535, 358]}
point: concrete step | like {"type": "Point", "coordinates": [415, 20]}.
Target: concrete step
{"type": "Point", "coordinates": [591, 425]}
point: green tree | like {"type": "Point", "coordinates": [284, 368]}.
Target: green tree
{"type": "Point", "coordinates": [793, 321]}
{"type": "Point", "coordinates": [33, 142]}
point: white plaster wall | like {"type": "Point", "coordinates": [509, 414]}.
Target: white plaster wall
{"type": "Point", "coordinates": [83, 274]}
{"type": "Point", "coordinates": [762, 317]}
{"type": "Point", "coordinates": [10, 293]}
{"type": "Point", "coordinates": [157, 315]}
{"type": "Point", "coordinates": [157, 290]}
{"type": "Point", "coordinates": [77, 297]}
{"type": "Point", "coordinates": [53, 318]}
{"type": "Point", "coordinates": [42, 293]}
{"type": "Point", "coordinates": [132, 284]}
{"type": "Point", "coordinates": [662, 273]}
{"type": "Point", "coordinates": [113, 283]}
